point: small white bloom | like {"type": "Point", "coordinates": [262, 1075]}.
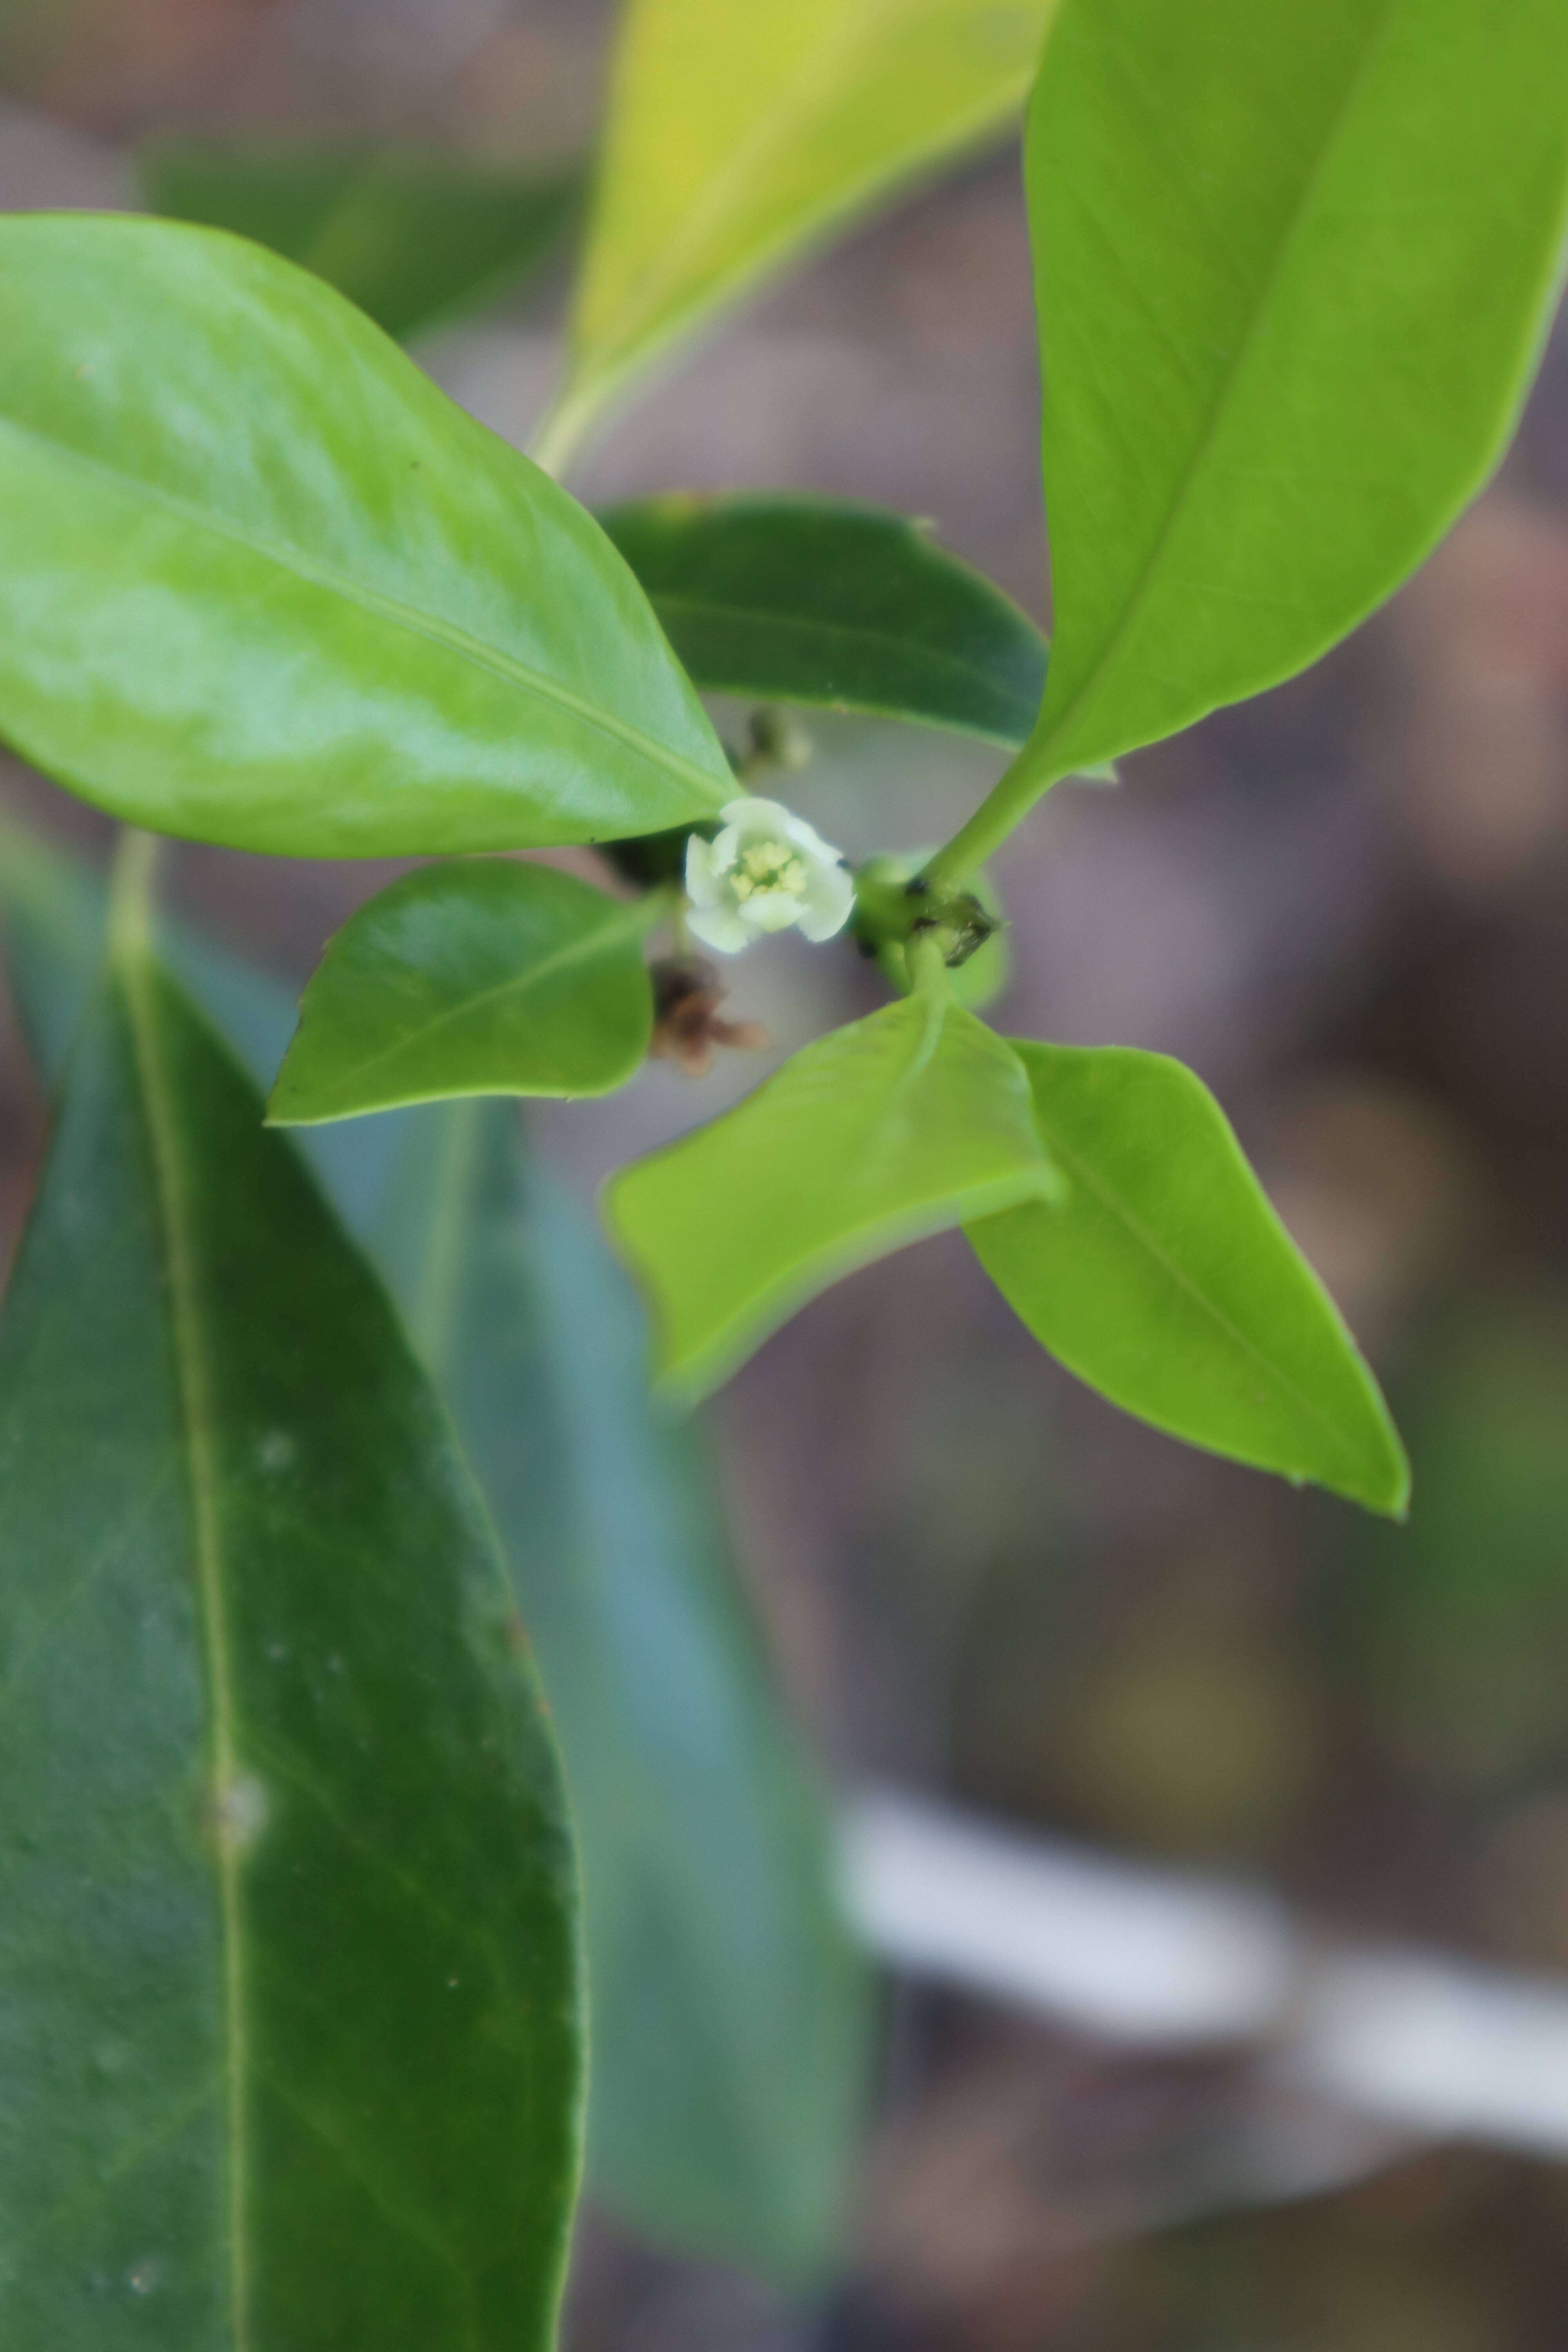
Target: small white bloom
{"type": "Point", "coordinates": [766, 870]}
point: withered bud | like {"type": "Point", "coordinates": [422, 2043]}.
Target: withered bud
{"type": "Point", "coordinates": [686, 1024]}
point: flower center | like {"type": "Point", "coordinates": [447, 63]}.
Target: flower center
{"type": "Point", "coordinates": [766, 867]}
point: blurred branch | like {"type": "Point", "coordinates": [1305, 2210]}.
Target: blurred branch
{"type": "Point", "coordinates": [1440, 2048]}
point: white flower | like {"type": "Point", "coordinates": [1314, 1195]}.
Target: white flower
{"type": "Point", "coordinates": [766, 870]}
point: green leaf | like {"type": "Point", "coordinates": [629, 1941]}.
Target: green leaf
{"type": "Point", "coordinates": [414, 236]}
{"type": "Point", "coordinates": [289, 2028]}
{"type": "Point", "coordinates": [478, 977]}
{"type": "Point", "coordinates": [1166, 1281]}
{"type": "Point", "coordinates": [737, 136]}
{"type": "Point", "coordinates": [913, 1121]}
{"type": "Point", "coordinates": [1293, 269]}
{"type": "Point", "coordinates": [730, 2018]}
{"type": "Point", "coordinates": [816, 601]}
{"type": "Point", "coordinates": [52, 909]}
{"type": "Point", "coordinates": [262, 584]}
{"type": "Point", "coordinates": [730, 2021]}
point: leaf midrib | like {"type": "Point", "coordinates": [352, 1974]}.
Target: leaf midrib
{"type": "Point", "coordinates": [430, 627]}
{"type": "Point", "coordinates": [198, 1412]}
{"type": "Point", "coordinates": [1236, 371]}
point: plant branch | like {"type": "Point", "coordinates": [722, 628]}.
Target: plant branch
{"type": "Point", "coordinates": [1005, 807]}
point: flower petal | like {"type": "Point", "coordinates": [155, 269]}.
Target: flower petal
{"type": "Point", "coordinates": [720, 927]}
{"type": "Point", "coordinates": [829, 897]}
{"type": "Point", "coordinates": [752, 817]}
{"type": "Point", "coordinates": [772, 910]}
{"type": "Point", "coordinates": [704, 886]}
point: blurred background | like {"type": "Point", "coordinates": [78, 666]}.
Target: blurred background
{"type": "Point", "coordinates": [1346, 905]}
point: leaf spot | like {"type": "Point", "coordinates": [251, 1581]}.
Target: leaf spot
{"type": "Point", "coordinates": [239, 1813]}
{"type": "Point", "coordinates": [276, 1451]}
{"type": "Point", "coordinates": [144, 2277]}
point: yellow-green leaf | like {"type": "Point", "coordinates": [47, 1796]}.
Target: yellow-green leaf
{"type": "Point", "coordinates": [741, 130]}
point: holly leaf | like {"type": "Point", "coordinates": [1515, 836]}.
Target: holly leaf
{"type": "Point", "coordinates": [913, 1121]}
{"type": "Point", "coordinates": [739, 137]}
{"type": "Point", "coordinates": [477, 976]}
{"type": "Point", "coordinates": [315, 609]}
{"type": "Point", "coordinates": [415, 237]}
{"type": "Point", "coordinates": [290, 2042]}
{"type": "Point", "coordinates": [849, 607]}
{"type": "Point", "coordinates": [1293, 269]}
{"type": "Point", "coordinates": [731, 2019]}
{"type": "Point", "coordinates": [1166, 1280]}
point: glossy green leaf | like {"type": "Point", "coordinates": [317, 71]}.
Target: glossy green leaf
{"type": "Point", "coordinates": [415, 236]}
{"type": "Point", "coordinates": [817, 601]}
{"type": "Point", "coordinates": [729, 2022]}
{"type": "Point", "coordinates": [262, 583]}
{"type": "Point", "coordinates": [1166, 1281]}
{"type": "Point", "coordinates": [1294, 267]}
{"type": "Point", "coordinates": [738, 135]}
{"type": "Point", "coordinates": [899, 1125]}
{"type": "Point", "coordinates": [287, 2032]}
{"type": "Point", "coordinates": [481, 976]}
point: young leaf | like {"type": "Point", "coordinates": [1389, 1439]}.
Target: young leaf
{"type": "Point", "coordinates": [816, 601]}
{"type": "Point", "coordinates": [1166, 1281]}
{"type": "Point", "coordinates": [414, 237]}
{"type": "Point", "coordinates": [290, 2035]}
{"type": "Point", "coordinates": [730, 2020]}
{"type": "Point", "coordinates": [481, 976]}
{"type": "Point", "coordinates": [738, 135]}
{"type": "Point", "coordinates": [1293, 266]}
{"type": "Point", "coordinates": [262, 584]}
{"type": "Point", "coordinates": [913, 1121]}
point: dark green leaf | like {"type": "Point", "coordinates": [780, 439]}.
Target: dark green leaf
{"type": "Point", "coordinates": [1293, 266]}
{"type": "Point", "coordinates": [52, 911]}
{"type": "Point", "coordinates": [901, 1124]}
{"type": "Point", "coordinates": [810, 600]}
{"type": "Point", "coordinates": [262, 583]}
{"type": "Point", "coordinates": [479, 977]}
{"type": "Point", "coordinates": [288, 2035]}
{"type": "Point", "coordinates": [414, 236]}
{"type": "Point", "coordinates": [1166, 1281]}
{"type": "Point", "coordinates": [730, 2021]}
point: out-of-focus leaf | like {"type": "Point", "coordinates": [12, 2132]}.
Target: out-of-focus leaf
{"type": "Point", "coordinates": [816, 601]}
{"type": "Point", "coordinates": [1457, 1625]}
{"type": "Point", "coordinates": [413, 236]}
{"type": "Point", "coordinates": [52, 911]}
{"type": "Point", "coordinates": [1293, 266]}
{"type": "Point", "coordinates": [288, 2035]}
{"type": "Point", "coordinates": [913, 1121]}
{"type": "Point", "coordinates": [262, 583]}
{"type": "Point", "coordinates": [730, 2021]}
{"type": "Point", "coordinates": [480, 976]}
{"type": "Point", "coordinates": [1166, 1281]}
{"type": "Point", "coordinates": [738, 135]}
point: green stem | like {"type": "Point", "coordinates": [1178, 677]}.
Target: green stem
{"type": "Point", "coordinates": [1005, 807]}
{"type": "Point", "coordinates": [563, 429]}
{"type": "Point", "coordinates": [131, 890]}
{"type": "Point", "coordinates": [928, 968]}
